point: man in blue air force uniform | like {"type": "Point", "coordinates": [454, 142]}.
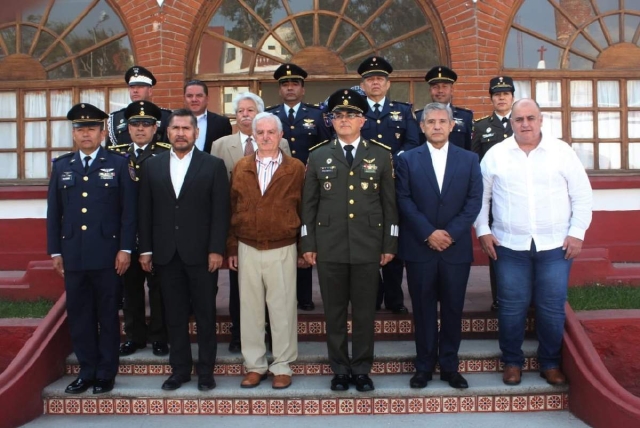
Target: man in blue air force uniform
{"type": "Point", "coordinates": [91, 230]}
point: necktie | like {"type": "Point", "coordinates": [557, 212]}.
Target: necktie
{"type": "Point", "coordinates": [138, 152]}
{"type": "Point", "coordinates": [376, 108]}
{"type": "Point", "coordinates": [248, 147]}
{"type": "Point", "coordinates": [349, 156]}
{"type": "Point", "coordinates": [86, 163]}
{"type": "Point", "coordinates": [291, 117]}
{"type": "Point", "coordinates": [505, 121]}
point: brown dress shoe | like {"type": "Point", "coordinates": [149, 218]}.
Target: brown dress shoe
{"type": "Point", "coordinates": [281, 381]}
{"type": "Point", "coordinates": [512, 375]}
{"type": "Point", "coordinates": [553, 377]}
{"type": "Point", "coordinates": [252, 379]}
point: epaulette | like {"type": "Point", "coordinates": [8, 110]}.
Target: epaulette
{"type": "Point", "coordinates": [482, 118]}
{"type": "Point", "coordinates": [66, 155]}
{"type": "Point", "coordinates": [464, 109]}
{"type": "Point", "coordinates": [402, 103]}
{"type": "Point", "coordinates": [163, 145]}
{"type": "Point", "coordinates": [166, 109]}
{"type": "Point", "coordinates": [268, 108]}
{"type": "Point", "coordinates": [319, 144]}
{"type": "Point", "coordinates": [119, 147]}
{"type": "Point", "coordinates": [314, 106]}
{"type": "Point", "coordinates": [380, 144]}
{"type": "Point", "coordinates": [116, 152]}
{"type": "Point", "coordinates": [417, 112]}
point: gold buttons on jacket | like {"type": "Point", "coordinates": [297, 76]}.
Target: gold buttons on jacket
{"type": "Point", "coordinates": [351, 201]}
{"type": "Point", "coordinates": [380, 136]}
{"type": "Point", "coordinates": [293, 152]}
{"type": "Point", "coordinates": [84, 211]}
{"type": "Point", "coordinates": [85, 178]}
{"type": "Point", "coordinates": [378, 121]}
{"type": "Point", "coordinates": [83, 227]}
{"type": "Point", "coordinates": [351, 215]}
{"type": "Point", "coordinates": [293, 127]}
{"type": "Point", "coordinates": [350, 172]}
{"type": "Point", "coordinates": [293, 139]}
{"type": "Point", "coordinates": [106, 184]}
{"type": "Point", "coordinates": [85, 194]}
{"type": "Point", "coordinates": [351, 187]}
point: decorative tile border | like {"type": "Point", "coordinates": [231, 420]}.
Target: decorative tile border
{"type": "Point", "coordinates": [315, 369]}
{"type": "Point", "coordinates": [297, 406]}
{"type": "Point", "coordinates": [383, 328]}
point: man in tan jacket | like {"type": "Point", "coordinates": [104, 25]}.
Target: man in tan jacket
{"type": "Point", "coordinates": [266, 193]}
{"type": "Point", "coordinates": [231, 149]}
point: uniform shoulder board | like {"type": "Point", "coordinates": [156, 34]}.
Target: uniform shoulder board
{"type": "Point", "coordinates": [164, 145]}
{"type": "Point", "coordinates": [418, 112]}
{"type": "Point", "coordinates": [319, 144]}
{"type": "Point", "coordinates": [119, 147]}
{"type": "Point", "coordinates": [402, 103]}
{"type": "Point", "coordinates": [464, 109]}
{"type": "Point", "coordinates": [314, 106]}
{"type": "Point", "coordinates": [66, 155]}
{"type": "Point", "coordinates": [168, 110]}
{"type": "Point", "coordinates": [482, 118]}
{"type": "Point", "coordinates": [380, 144]}
{"type": "Point", "coordinates": [269, 108]}
{"type": "Point", "coordinates": [116, 152]}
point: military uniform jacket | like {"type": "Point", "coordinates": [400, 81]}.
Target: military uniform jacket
{"type": "Point", "coordinates": [487, 132]}
{"type": "Point", "coordinates": [396, 126]}
{"type": "Point", "coordinates": [349, 214]}
{"type": "Point", "coordinates": [137, 163]}
{"type": "Point", "coordinates": [118, 131]}
{"type": "Point", "coordinates": [307, 130]}
{"type": "Point", "coordinates": [462, 131]}
{"type": "Point", "coordinates": [92, 216]}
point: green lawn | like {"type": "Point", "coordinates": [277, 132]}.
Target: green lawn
{"type": "Point", "coordinates": [597, 296]}
{"type": "Point", "coordinates": [37, 309]}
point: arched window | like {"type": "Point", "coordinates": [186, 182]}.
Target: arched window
{"type": "Point", "coordinates": [586, 57]}
{"type": "Point", "coordinates": [53, 54]}
{"type": "Point", "coordinates": [246, 40]}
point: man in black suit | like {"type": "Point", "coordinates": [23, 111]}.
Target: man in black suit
{"type": "Point", "coordinates": [211, 126]}
{"type": "Point", "coordinates": [184, 214]}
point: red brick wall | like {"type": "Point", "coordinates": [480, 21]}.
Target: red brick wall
{"type": "Point", "coordinates": [165, 40]}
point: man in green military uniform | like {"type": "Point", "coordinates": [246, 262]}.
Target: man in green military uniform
{"type": "Point", "coordinates": [491, 130]}
{"type": "Point", "coordinates": [142, 118]}
{"type": "Point", "coordinates": [350, 229]}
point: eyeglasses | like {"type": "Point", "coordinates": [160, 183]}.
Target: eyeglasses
{"type": "Point", "coordinates": [342, 116]}
{"type": "Point", "coordinates": [144, 124]}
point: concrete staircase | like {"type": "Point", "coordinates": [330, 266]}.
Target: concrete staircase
{"type": "Point", "coordinates": [137, 389]}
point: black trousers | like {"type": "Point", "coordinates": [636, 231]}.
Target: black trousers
{"type": "Point", "coordinates": [185, 286]}
{"type": "Point", "coordinates": [430, 282]}
{"type": "Point", "coordinates": [234, 305]}
{"type": "Point", "coordinates": [135, 323]}
{"type": "Point", "coordinates": [92, 310]}
{"type": "Point", "coordinates": [341, 284]}
{"type": "Point", "coordinates": [390, 290]}
{"type": "Point", "coordinates": [304, 285]}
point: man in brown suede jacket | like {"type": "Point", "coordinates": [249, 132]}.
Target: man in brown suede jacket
{"type": "Point", "coordinates": [266, 193]}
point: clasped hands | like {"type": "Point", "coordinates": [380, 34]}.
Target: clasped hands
{"type": "Point", "coordinates": [439, 240]}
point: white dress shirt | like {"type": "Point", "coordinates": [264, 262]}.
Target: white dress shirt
{"type": "Point", "coordinates": [178, 169]}
{"type": "Point", "coordinates": [372, 103]}
{"type": "Point", "coordinates": [265, 168]}
{"type": "Point", "coordinates": [92, 155]}
{"type": "Point", "coordinates": [243, 139]}
{"type": "Point", "coordinates": [545, 196]}
{"type": "Point", "coordinates": [439, 160]}
{"type": "Point", "coordinates": [355, 147]}
{"type": "Point", "coordinates": [202, 130]}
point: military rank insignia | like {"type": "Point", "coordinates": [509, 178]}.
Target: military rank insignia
{"type": "Point", "coordinates": [309, 124]}
{"type": "Point", "coordinates": [327, 185]}
{"type": "Point", "coordinates": [396, 116]}
{"type": "Point", "coordinates": [132, 171]}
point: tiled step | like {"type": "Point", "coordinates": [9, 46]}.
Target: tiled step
{"type": "Point", "coordinates": [310, 395]}
{"type": "Point", "coordinates": [476, 356]}
{"type": "Point", "coordinates": [387, 326]}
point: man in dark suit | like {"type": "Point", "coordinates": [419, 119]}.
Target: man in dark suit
{"type": "Point", "coordinates": [140, 82]}
{"type": "Point", "coordinates": [489, 131]}
{"type": "Point", "coordinates": [304, 128]}
{"type": "Point", "coordinates": [349, 227]}
{"type": "Point", "coordinates": [441, 80]}
{"type": "Point", "coordinates": [142, 118]}
{"type": "Point", "coordinates": [439, 191]}
{"type": "Point", "coordinates": [211, 126]}
{"type": "Point", "coordinates": [91, 227]}
{"type": "Point", "coordinates": [184, 218]}
{"type": "Point", "coordinates": [392, 123]}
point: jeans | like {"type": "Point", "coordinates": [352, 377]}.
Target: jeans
{"type": "Point", "coordinates": [521, 276]}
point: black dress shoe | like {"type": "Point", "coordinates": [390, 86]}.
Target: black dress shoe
{"type": "Point", "coordinates": [78, 386]}
{"type": "Point", "coordinates": [234, 346]}
{"type": "Point", "coordinates": [340, 382]}
{"type": "Point", "coordinates": [206, 382]}
{"type": "Point", "coordinates": [174, 382]}
{"type": "Point", "coordinates": [306, 306]}
{"type": "Point", "coordinates": [160, 348]}
{"type": "Point", "coordinates": [100, 386]}
{"type": "Point", "coordinates": [129, 347]}
{"type": "Point", "coordinates": [400, 310]}
{"type": "Point", "coordinates": [455, 379]}
{"type": "Point", "coordinates": [362, 382]}
{"type": "Point", "coordinates": [420, 380]}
